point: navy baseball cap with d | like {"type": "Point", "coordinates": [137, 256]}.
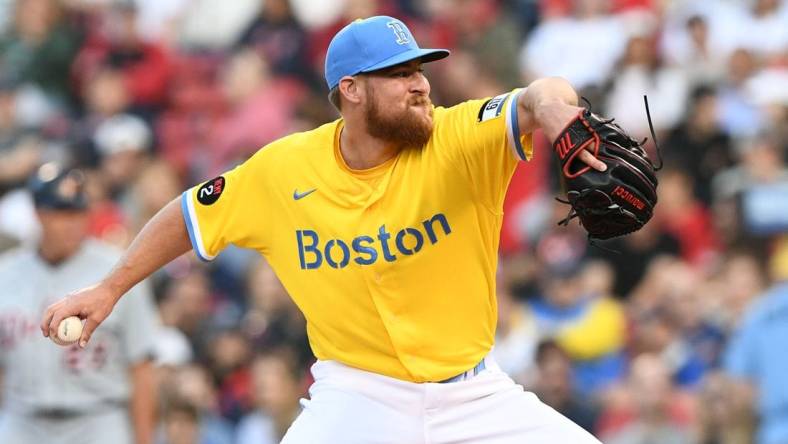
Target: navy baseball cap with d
{"type": "Point", "coordinates": [371, 44]}
{"type": "Point", "coordinates": [57, 188]}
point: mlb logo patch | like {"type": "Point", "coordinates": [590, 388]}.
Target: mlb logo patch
{"type": "Point", "coordinates": [492, 108]}
{"type": "Point", "coordinates": [210, 191]}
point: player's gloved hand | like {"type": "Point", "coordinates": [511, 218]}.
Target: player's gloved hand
{"type": "Point", "coordinates": [92, 304]}
{"type": "Point", "coordinates": [611, 202]}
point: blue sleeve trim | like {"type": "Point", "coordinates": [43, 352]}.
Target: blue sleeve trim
{"type": "Point", "coordinates": [189, 225]}
{"type": "Point", "coordinates": [518, 146]}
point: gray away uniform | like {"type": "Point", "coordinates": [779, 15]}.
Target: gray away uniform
{"type": "Point", "coordinates": [53, 394]}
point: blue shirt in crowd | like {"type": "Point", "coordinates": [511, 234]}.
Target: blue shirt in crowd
{"type": "Point", "coordinates": [758, 352]}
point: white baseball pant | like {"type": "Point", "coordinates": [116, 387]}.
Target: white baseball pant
{"type": "Point", "coordinates": [352, 406]}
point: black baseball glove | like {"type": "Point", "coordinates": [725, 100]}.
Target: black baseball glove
{"type": "Point", "coordinates": [614, 202]}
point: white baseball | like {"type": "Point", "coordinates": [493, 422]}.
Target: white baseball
{"type": "Point", "coordinates": [69, 331]}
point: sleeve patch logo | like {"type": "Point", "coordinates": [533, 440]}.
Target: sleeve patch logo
{"type": "Point", "coordinates": [492, 108]}
{"type": "Point", "coordinates": [210, 191]}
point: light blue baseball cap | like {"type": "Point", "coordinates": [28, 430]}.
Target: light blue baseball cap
{"type": "Point", "coordinates": [371, 44]}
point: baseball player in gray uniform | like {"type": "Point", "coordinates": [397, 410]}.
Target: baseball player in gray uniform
{"type": "Point", "coordinates": [103, 393]}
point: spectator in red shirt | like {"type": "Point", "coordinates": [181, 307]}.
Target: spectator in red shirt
{"type": "Point", "coordinates": [262, 109]}
{"type": "Point", "coordinates": [685, 217]}
{"type": "Point", "coordinates": [116, 43]}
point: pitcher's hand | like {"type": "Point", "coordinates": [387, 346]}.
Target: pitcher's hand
{"type": "Point", "coordinates": [554, 118]}
{"type": "Point", "coordinates": [92, 304]}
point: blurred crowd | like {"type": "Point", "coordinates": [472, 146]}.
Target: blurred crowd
{"type": "Point", "coordinates": [674, 334]}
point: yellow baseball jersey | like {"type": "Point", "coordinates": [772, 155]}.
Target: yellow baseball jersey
{"type": "Point", "coordinates": [393, 266]}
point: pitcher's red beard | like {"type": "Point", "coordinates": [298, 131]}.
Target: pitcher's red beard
{"type": "Point", "coordinates": [408, 128]}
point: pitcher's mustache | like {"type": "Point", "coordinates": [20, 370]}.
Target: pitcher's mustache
{"type": "Point", "coordinates": [419, 101]}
